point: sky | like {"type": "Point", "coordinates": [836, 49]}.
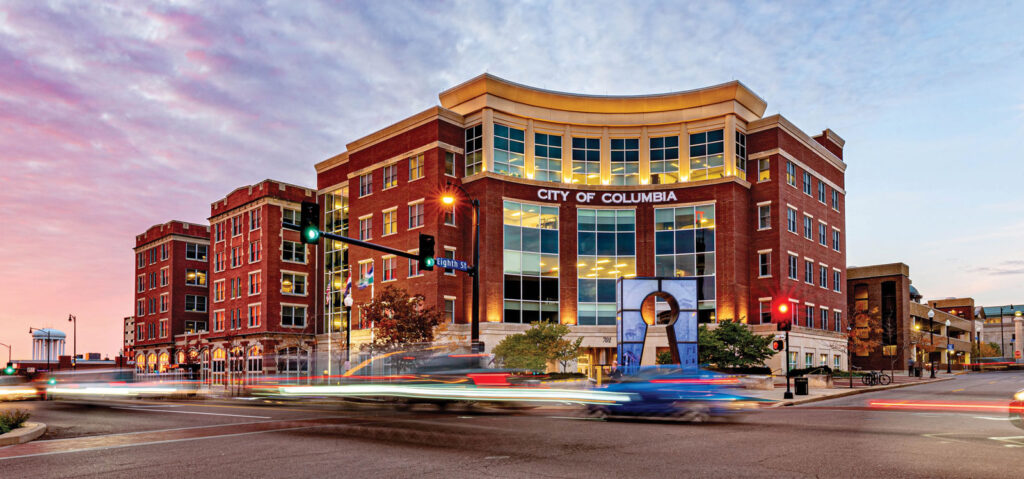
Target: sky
{"type": "Point", "coordinates": [118, 115]}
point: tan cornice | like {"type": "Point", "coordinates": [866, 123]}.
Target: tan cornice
{"type": "Point", "coordinates": [578, 187]}
{"type": "Point", "coordinates": [811, 144]}
{"type": "Point", "coordinates": [490, 84]}
{"type": "Point", "coordinates": [331, 162]}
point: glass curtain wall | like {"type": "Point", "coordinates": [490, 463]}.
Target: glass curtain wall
{"type": "Point", "coordinates": [336, 269]}
{"type": "Point", "coordinates": [684, 247]}
{"type": "Point", "coordinates": [625, 161]}
{"type": "Point", "coordinates": [530, 263]}
{"type": "Point", "coordinates": [606, 251]}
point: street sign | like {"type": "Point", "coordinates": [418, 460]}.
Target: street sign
{"type": "Point", "coordinates": [949, 347]}
{"type": "Point", "coordinates": [448, 263]}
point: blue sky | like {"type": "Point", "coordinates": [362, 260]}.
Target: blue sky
{"type": "Point", "coordinates": [118, 115]}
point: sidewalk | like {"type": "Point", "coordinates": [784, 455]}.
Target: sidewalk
{"type": "Point", "coordinates": [841, 388]}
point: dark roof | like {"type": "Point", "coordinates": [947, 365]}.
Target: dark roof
{"type": "Point", "coordinates": [996, 311]}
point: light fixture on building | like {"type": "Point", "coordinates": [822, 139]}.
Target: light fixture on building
{"type": "Point", "coordinates": [286, 285]}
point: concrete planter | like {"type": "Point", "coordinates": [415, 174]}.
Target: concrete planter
{"type": "Point", "coordinates": [819, 380]}
{"type": "Point", "coordinates": [23, 434]}
{"type": "Point", "coordinates": [757, 382]}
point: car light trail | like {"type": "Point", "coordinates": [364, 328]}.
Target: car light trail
{"type": "Point", "coordinates": [944, 406]}
{"type": "Point", "coordinates": [458, 394]}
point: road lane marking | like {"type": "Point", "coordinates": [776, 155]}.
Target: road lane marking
{"type": "Point", "coordinates": [957, 390]}
{"type": "Point", "coordinates": [191, 412]}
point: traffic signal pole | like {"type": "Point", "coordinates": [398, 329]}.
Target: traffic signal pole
{"type": "Point", "coordinates": [355, 242]}
{"type": "Point", "coordinates": [788, 394]}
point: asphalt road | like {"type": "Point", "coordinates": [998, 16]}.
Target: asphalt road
{"type": "Point", "coordinates": [837, 438]}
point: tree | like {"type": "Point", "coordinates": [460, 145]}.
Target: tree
{"type": "Point", "coordinates": [399, 318]}
{"type": "Point", "coordinates": [866, 334]}
{"type": "Point", "coordinates": [985, 350]}
{"type": "Point", "coordinates": [664, 357]}
{"type": "Point", "coordinates": [732, 344]}
{"type": "Point", "coordinates": [533, 348]}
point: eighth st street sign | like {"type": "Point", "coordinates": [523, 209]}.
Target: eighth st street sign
{"type": "Point", "coordinates": [448, 263]}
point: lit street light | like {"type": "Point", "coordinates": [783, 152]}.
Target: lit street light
{"type": "Point", "coordinates": [931, 339]}
{"type": "Point", "coordinates": [474, 334]}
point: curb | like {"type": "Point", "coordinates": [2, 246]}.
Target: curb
{"type": "Point", "coordinates": [852, 392]}
{"type": "Point", "coordinates": [25, 433]}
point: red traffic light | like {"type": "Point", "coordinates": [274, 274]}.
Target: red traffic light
{"type": "Point", "coordinates": [783, 308]}
{"type": "Point", "coordinates": [778, 345]}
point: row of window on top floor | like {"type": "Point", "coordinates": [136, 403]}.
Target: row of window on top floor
{"type": "Point", "coordinates": [705, 159]}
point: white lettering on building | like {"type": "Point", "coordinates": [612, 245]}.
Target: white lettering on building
{"type": "Point", "coordinates": [608, 198]}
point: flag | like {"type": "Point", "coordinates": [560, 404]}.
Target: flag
{"type": "Point", "coordinates": [348, 287]}
{"type": "Point", "coordinates": [367, 279]}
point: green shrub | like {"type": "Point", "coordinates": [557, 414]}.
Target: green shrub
{"type": "Point", "coordinates": [12, 419]}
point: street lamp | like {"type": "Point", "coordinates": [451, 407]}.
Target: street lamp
{"type": "Point", "coordinates": [948, 359]}
{"type": "Point", "coordinates": [348, 327]}
{"type": "Point", "coordinates": [74, 342]}
{"type": "Point", "coordinates": [474, 331]}
{"type": "Point", "coordinates": [849, 354]}
{"type": "Point", "coordinates": [931, 339]}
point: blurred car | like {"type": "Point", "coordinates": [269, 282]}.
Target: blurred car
{"type": "Point", "coordinates": [16, 388]}
{"type": "Point", "coordinates": [1017, 409]}
{"type": "Point", "coordinates": [671, 392]}
{"type": "Point", "coordinates": [105, 384]}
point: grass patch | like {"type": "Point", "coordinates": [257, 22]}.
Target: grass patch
{"type": "Point", "coordinates": [12, 419]}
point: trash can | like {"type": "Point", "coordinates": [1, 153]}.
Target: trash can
{"type": "Point", "coordinates": [800, 386]}
{"type": "Point", "coordinates": [918, 372]}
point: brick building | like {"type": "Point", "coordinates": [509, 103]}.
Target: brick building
{"type": "Point", "coordinates": [128, 349]}
{"type": "Point", "coordinates": [577, 191]}
{"type": "Point", "coordinates": [263, 287]}
{"type": "Point", "coordinates": [170, 289]}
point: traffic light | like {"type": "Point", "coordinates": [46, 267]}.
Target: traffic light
{"type": "Point", "coordinates": [309, 221]}
{"type": "Point", "coordinates": [784, 320]}
{"type": "Point", "coordinates": [9, 370]}
{"type": "Point", "coordinates": [778, 345]}
{"type": "Point", "coordinates": [426, 261]}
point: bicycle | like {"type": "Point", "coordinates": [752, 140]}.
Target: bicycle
{"type": "Point", "coordinates": [873, 378]}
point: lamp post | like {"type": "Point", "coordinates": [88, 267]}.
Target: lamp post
{"type": "Point", "coordinates": [348, 327]}
{"type": "Point", "coordinates": [74, 341]}
{"type": "Point", "coordinates": [948, 359]}
{"type": "Point", "coordinates": [1016, 319]}
{"type": "Point", "coordinates": [849, 354]}
{"type": "Point", "coordinates": [931, 339]}
{"type": "Point", "coordinates": [474, 331]}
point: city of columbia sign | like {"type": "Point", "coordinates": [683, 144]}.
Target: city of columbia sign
{"type": "Point", "coordinates": [624, 198]}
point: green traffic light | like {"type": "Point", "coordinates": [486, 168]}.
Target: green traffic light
{"type": "Point", "coordinates": [52, 381]}
{"type": "Point", "coordinates": [311, 234]}
{"type": "Point", "coordinates": [430, 262]}
{"type": "Point", "coordinates": [8, 370]}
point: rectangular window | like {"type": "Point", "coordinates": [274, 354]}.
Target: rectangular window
{"type": "Point", "coordinates": [195, 252]}
{"type": "Point", "coordinates": [293, 316]}
{"type": "Point", "coordinates": [474, 150]}
{"type": "Point", "coordinates": [808, 360]}
{"type": "Point", "coordinates": [794, 269]}
{"type": "Point", "coordinates": [218, 320]}
{"type": "Point", "coordinates": [195, 277]}
{"type": "Point", "coordinates": [808, 229]}
{"type": "Point", "coordinates": [764, 172]}
{"type": "Point", "coordinates": [236, 226]}
{"type": "Point", "coordinates": [823, 276]}
{"type": "Point", "coordinates": [366, 184]}
{"type": "Point", "coordinates": [390, 222]}
{"type": "Point", "coordinates": [141, 283]}
{"type": "Point", "coordinates": [236, 256]}
{"type": "Point", "coordinates": [163, 252]}
{"type": "Point", "coordinates": [790, 174]}
{"type": "Point", "coordinates": [390, 177]}
{"type": "Point", "coordinates": [530, 262]}
{"type": "Point", "coordinates": [153, 280]}
{"type": "Point", "coordinates": [835, 281]}
{"type": "Point", "coordinates": [195, 303]}
{"type": "Point", "coordinates": [684, 246]}
{"type": "Point", "coordinates": [449, 163]}
{"type": "Point", "coordinates": [152, 256]}
{"type": "Point", "coordinates": [765, 311]}
{"type": "Point", "coordinates": [293, 252]}
{"type": "Point", "coordinates": [707, 160]}
{"type": "Point", "coordinates": [163, 276]}
{"type": "Point", "coordinates": [255, 251]}
{"type": "Point", "coordinates": [449, 309]}
{"type": "Point", "coordinates": [163, 329]}
{"type": "Point", "coordinates": [807, 183]}
{"type": "Point", "coordinates": [366, 228]}
{"type": "Point", "coordinates": [822, 237]}
{"type": "Point", "coordinates": [764, 261]}
{"type": "Point", "coordinates": [764, 217]}
{"type": "Point", "coordinates": [254, 220]}
{"type": "Point", "coordinates": [416, 215]}
{"type": "Point", "coordinates": [547, 157]}
{"type": "Point", "coordinates": [791, 219]}
{"type": "Point", "coordinates": [416, 167]}
{"type": "Point", "coordinates": [255, 283]}
{"type": "Point", "coordinates": [586, 161]}
{"type": "Point", "coordinates": [449, 216]}
{"type": "Point", "coordinates": [509, 151]}
{"type": "Point", "coordinates": [606, 251]}
{"type": "Point", "coordinates": [163, 303]}
{"type": "Point", "coordinates": [625, 161]}
{"type": "Point", "coordinates": [293, 284]}
{"type": "Point", "coordinates": [255, 312]}
{"type": "Point", "coordinates": [808, 272]}
{"type": "Point", "coordinates": [218, 262]}
{"type": "Point", "coordinates": [823, 317]}
{"type": "Point", "coordinates": [218, 232]}
{"type": "Point", "coordinates": [809, 316]}
{"type": "Point", "coordinates": [449, 253]}
{"type": "Point", "coordinates": [836, 317]}
{"type": "Point", "coordinates": [741, 153]}
{"type": "Point", "coordinates": [290, 217]}
{"type": "Point", "coordinates": [414, 266]}
{"type": "Point", "coordinates": [664, 153]}
{"type": "Point", "coordinates": [140, 332]}
{"type": "Point", "coordinates": [390, 272]}
{"type": "Point", "coordinates": [821, 191]}
{"type": "Point", "coordinates": [835, 239]}
{"type": "Point", "coordinates": [218, 291]}
{"type": "Point", "coordinates": [835, 200]}
{"type": "Point", "coordinates": [141, 259]}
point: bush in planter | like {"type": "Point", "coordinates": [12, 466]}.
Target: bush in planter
{"type": "Point", "coordinates": [12, 419]}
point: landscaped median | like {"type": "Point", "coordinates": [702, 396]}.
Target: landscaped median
{"type": "Point", "coordinates": [833, 393]}
{"type": "Point", "coordinates": [16, 429]}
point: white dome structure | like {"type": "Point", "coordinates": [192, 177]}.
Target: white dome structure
{"type": "Point", "coordinates": [47, 344]}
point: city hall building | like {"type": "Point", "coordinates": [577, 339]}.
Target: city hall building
{"type": "Point", "coordinates": [578, 191]}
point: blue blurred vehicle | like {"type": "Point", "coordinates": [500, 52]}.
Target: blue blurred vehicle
{"type": "Point", "coordinates": [671, 392]}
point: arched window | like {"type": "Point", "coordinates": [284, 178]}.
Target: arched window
{"type": "Point", "coordinates": [254, 358]}
{"type": "Point", "coordinates": [236, 360]}
{"type": "Point", "coordinates": [218, 360]}
{"type": "Point", "coordinates": [181, 357]}
{"type": "Point", "coordinates": [151, 362]}
{"type": "Point", "coordinates": [140, 362]}
{"type": "Point", "coordinates": [164, 360]}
